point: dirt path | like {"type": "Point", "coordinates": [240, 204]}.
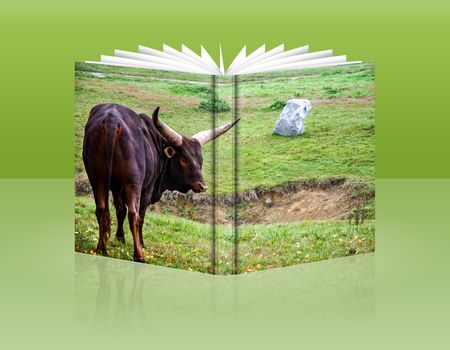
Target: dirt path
{"type": "Point", "coordinates": [332, 199]}
{"type": "Point", "coordinates": [291, 203]}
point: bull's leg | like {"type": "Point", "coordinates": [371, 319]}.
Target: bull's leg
{"type": "Point", "coordinates": [133, 201]}
{"type": "Point", "coordinates": [103, 219]}
{"type": "Point", "coordinates": [121, 213]}
{"type": "Point", "coordinates": [145, 199]}
{"type": "Point", "coordinates": [141, 224]}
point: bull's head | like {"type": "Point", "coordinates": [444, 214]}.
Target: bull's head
{"type": "Point", "coordinates": [185, 153]}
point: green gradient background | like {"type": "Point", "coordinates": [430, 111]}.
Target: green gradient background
{"type": "Point", "coordinates": [397, 298]}
{"type": "Point", "coordinates": [407, 40]}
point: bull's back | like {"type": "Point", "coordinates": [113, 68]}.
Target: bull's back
{"type": "Point", "coordinates": [112, 146]}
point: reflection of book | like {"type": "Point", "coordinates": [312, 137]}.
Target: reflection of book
{"type": "Point", "coordinates": [271, 201]}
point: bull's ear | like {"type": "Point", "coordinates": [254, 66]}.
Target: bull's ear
{"type": "Point", "coordinates": [169, 152]}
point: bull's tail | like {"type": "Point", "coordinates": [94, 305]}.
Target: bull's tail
{"type": "Point", "coordinates": [112, 127]}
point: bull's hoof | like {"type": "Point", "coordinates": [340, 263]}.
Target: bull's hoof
{"type": "Point", "coordinates": [121, 239]}
{"type": "Point", "coordinates": [139, 259]}
{"type": "Point", "coordinates": [101, 251]}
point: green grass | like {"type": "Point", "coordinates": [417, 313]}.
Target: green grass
{"type": "Point", "coordinates": [339, 140]}
{"type": "Point", "coordinates": [137, 73]}
{"type": "Point", "coordinates": [180, 243]}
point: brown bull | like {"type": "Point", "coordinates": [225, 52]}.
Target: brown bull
{"type": "Point", "coordinates": [137, 159]}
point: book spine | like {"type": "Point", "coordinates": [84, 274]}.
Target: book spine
{"type": "Point", "coordinates": [235, 87]}
{"type": "Point", "coordinates": [214, 176]}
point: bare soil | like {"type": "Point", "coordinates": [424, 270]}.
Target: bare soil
{"type": "Point", "coordinates": [304, 204]}
{"type": "Point", "coordinates": [294, 202]}
{"type": "Point", "coordinates": [331, 199]}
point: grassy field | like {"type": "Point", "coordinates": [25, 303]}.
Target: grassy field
{"type": "Point", "coordinates": [339, 142]}
{"type": "Point", "coordinates": [180, 243]}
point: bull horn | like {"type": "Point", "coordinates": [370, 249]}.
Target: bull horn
{"type": "Point", "coordinates": [205, 136]}
{"type": "Point", "coordinates": [171, 135]}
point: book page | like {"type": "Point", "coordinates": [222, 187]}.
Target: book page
{"type": "Point", "coordinates": [306, 166]}
{"type": "Point", "coordinates": [156, 185]}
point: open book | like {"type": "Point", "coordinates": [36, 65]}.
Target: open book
{"type": "Point", "coordinates": [260, 60]}
{"type": "Point", "coordinates": [268, 162]}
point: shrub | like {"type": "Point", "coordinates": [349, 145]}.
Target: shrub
{"type": "Point", "coordinates": [221, 105]}
{"type": "Point", "coordinates": [276, 105]}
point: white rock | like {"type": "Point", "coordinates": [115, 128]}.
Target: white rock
{"type": "Point", "coordinates": [291, 121]}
